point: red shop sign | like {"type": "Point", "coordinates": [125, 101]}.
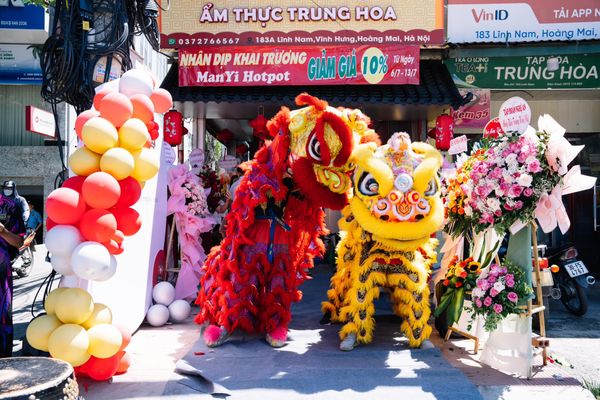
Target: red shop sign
{"type": "Point", "coordinates": [299, 65]}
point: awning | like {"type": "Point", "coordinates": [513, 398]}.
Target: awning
{"type": "Point", "coordinates": [436, 88]}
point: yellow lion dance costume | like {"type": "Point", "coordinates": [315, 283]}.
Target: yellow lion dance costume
{"type": "Point", "coordinates": [386, 241]}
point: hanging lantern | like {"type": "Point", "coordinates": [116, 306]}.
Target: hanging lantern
{"type": "Point", "coordinates": [173, 127]}
{"type": "Point", "coordinates": [444, 132]}
{"type": "Point", "coordinates": [259, 127]}
{"type": "Point", "coordinates": [241, 149]}
{"type": "Point", "coordinates": [225, 136]}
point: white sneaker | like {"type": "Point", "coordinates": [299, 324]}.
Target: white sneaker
{"type": "Point", "coordinates": [349, 343]}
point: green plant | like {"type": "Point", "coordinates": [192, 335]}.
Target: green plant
{"type": "Point", "coordinates": [41, 3]}
{"type": "Point", "coordinates": [593, 386]}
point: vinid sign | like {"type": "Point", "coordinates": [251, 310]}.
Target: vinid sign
{"type": "Point", "coordinates": [299, 65]}
{"type": "Point", "coordinates": [189, 23]}
{"type": "Point", "coordinates": [506, 21]}
{"type": "Point", "coordinates": [559, 71]}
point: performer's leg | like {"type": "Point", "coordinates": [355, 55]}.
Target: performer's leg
{"type": "Point", "coordinates": [276, 300]}
{"type": "Point", "coordinates": [359, 309]}
{"type": "Point", "coordinates": [410, 297]}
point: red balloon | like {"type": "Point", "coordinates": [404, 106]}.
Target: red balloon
{"type": "Point", "coordinates": [162, 99]}
{"type": "Point", "coordinates": [130, 192]}
{"type": "Point", "coordinates": [143, 108]}
{"type": "Point", "coordinates": [116, 107]}
{"type": "Point", "coordinates": [83, 118]}
{"type": "Point", "coordinates": [74, 182]}
{"type": "Point", "coordinates": [100, 95]}
{"type": "Point", "coordinates": [101, 369]}
{"type": "Point", "coordinates": [101, 190]}
{"type": "Point", "coordinates": [124, 362]}
{"type": "Point", "coordinates": [98, 225]}
{"type": "Point", "coordinates": [113, 247]}
{"type": "Point", "coordinates": [119, 237]}
{"type": "Point", "coordinates": [126, 336]}
{"type": "Point", "coordinates": [65, 206]}
{"type": "Point", "coordinates": [153, 134]}
{"type": "Point", "coordinates": [151, 125]}
{"type": "Point", "coordinates": [128, 220]}
{"type": "Point", "coordinates": [50, 224]}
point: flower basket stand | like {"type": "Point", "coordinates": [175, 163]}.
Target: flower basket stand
{"type": "Point", "coordinates": [538, 341]}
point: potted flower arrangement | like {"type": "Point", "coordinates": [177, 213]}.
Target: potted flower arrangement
{"type": "Point", "coordinates": [458, 283]}
{"type": "Point", "coordinates": [498, 293]}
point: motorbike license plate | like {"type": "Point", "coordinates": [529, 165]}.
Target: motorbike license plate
{"type": "Point", "coordinates": [576, 268]}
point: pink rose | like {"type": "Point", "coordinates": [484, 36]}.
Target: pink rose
{"type": "Point", "coordinates": [515, 191]}
{"type": "Point", "coordinates": [518, 205]}
{"type": "Point", "coordinates": [487, 302]}
{"type": "Point", "coordinates": [512, 296]}
{"type": "Point", "coordinates": [478, 302]}
{"type": "Point", "coordinates": [492, 278]}
{"type": "Point", "coordinates": [483, 284]}
{"type": "Point", "coordinates": [493, 292]}
{"type": "Point", "coordinates": [497, 308]}
{"type": "Point", "coordinates": [534, 166]}
{"type": "Point", "coordinates": [528, 192]}
{"type": "Point", "coordinates": [498, 213]}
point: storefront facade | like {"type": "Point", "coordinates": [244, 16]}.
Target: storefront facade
{"type": "Point", "coordinates": [553, 64]}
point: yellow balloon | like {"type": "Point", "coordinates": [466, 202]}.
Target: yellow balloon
{"type": "Point", "coordinates": [118, 162]}
{"type": "Point", "coordinates": [84, 162]}
{"type": "Point", "coordinates": [74, 306]}
{"type": "Point", "coordinates": [105, 340]}
{"type": "Point", "coordinates": [146, 164]}
{"type": "Point", "coordinates": [133, 135]}
{"type": "Point", "coordinates": [99, 135]}
{"type": "Point", "coordinates": [39, 331]}
{"type": "Point", "coordinates": [50, 302]}
{"type": "Point", "coordinates": [70, 343]}
{"type": "Point", "coordinates": [100, 315]}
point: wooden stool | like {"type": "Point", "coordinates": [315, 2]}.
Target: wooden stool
{"type": "Point", "coordinates": [37, 378]}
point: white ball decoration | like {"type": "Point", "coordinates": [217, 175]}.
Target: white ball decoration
{"type": "Point", "coordinates": [92, 261]}
{"type": "Point", "coordinates": [136, 81]}
{"type": "Point", "coordinates": [62, 240]}
{"type": "Point", "coordinates": [157, 315]}
{"type": "Point", "coordinates": [163, 293]}
{"type": "Point", "coordinates": [179, 310]}
{"type": "Point", "coordinates": [62, 264]}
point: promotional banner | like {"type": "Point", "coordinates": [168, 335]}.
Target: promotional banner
{"type": "Point", "coordinates": [19, 64]}
{"type": "Point", "coordinates": [476, 113]}
{"type": "Point", "coordinates": [560, 71]}
{"type": "Point", "coordinates": [23, 23]}
{"type": "Point", "coordinates": [505, 21]}
{"type": "Point", "coordinates": [294, 22]}
{"type": "Point", "coordinates": [306, 65]}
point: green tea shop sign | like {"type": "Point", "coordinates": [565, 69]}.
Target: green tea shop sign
{"type": "Point", "coordinates": [566, 71]}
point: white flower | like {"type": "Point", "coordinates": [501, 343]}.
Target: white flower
{"type": "Point", "coordinates": [525, 180]}
{"type": "Point", "coordinates": [468, 211]}
{"type": "Point", "coordinates": [499, 285]}
{"type": "Point", "coordinates": [493, 203]}
{"type": "Point", "coordinates": [511, 159]}
{"type": "Point", "coordinates": [477, 292]}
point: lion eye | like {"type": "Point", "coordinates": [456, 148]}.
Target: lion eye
{"type": "Point", "coordinates": [432, 188]}
{"type": "Point", "coordinates": [367, 185]}
{"type": "Point", "coordinates": [314, 148]}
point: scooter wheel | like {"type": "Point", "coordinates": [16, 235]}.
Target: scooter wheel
{"type": "Point", "coordinates": [574, 298]}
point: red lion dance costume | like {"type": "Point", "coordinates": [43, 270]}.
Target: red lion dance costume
{"type": "Point", "coordinates": [273, 229]}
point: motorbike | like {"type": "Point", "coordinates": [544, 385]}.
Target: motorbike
{"type": "Point", "coordinates": [22, 264]}
{"type": "Point", "coordinates": [571, 278]}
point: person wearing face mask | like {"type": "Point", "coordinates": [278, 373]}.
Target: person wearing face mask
{"type": "Point", "coordinates": [9, 189]}
{"type": "Point", "coordinates": [12, 227]}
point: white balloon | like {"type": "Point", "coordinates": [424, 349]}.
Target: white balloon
{"type": "Point", "coordinates": [62, 264]}
{"type": "Point", "coordinates": [136, 81]}
{"type": "Point", "coordinates": [179, 310]}
{"type": "Point", "coordinates": [71, 281]}
{"type": "Point", "coordinates": [92, 261]}
{"type": "Point", "coordinates": [163, 293]}
{"type": "Point", "coordinates": [157, 315]}
{"type": "Point", "coordinates": [62, 240]}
